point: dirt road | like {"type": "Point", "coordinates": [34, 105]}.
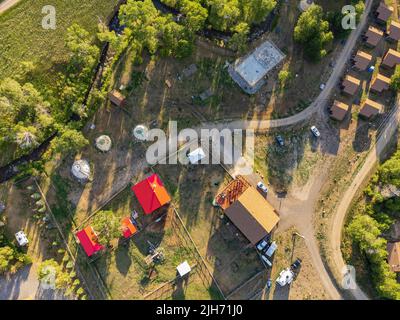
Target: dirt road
{"type": "Point", "coordinates": [363, 174]}
{"type": "Point", "coordinates": [7, 4]}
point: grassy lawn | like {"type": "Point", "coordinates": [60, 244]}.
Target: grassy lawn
{"type": "Point", "coordinates": [22, 37]}
{"type": "Point", "coordinates": [125, 271]}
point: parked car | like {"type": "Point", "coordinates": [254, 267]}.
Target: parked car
{"type": "Point", "coordinates": [280, 141]}
{"type": "Point", "coordinates": [295, 265]}
{"type": "Point", "coordinates": [271, 250]}
{"type": "Point", "coordinates": [315, 131]}
{"type": "Point", "coordinates": [262, 187]}
{"type": "Point", "coordinates": [265, 259]}
{"type": "Point", "coordinates": [262, 245]}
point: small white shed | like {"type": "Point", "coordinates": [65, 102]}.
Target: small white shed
{"type": "Point", "coordinates": [196, 156]}
{"type": "Point", "coordinates": [183, 269]}
{"type": "Point", "coordinates": [21, 238]}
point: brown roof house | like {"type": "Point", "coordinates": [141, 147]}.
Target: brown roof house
{"type": "Point", "coordinates": [393, 250]}
{"type": "Point", "coordinates": [253, 215]}
{"type": "Point", "coordinates": [384, 12]}
{"type": "Point", "coordinates": [350, 85]}
{"type": "Point", "coordinates": [394, 31]}
{"type": "Point", "coordinates": [117, 98]}
{"type": "Point", "coordinates": [380, 83]}
{"type": "Point", "coordinates": [362, 60]}
{"type": "Point", "coordinates": [339, 110]}
{"type": "Point", "coordinates": [373, 36]}
{"type": "Point", "coordinates": [391, 59]}
{"type": "Point", "coordinates": [370, 109]}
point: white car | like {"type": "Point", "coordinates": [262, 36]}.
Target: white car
{"type": "Point", "coordinates": [265, 259]}
{"type": "Point", "coordinates": [261, 245]}
{"type": "Point", "coordinates": [271, 250]}
{"type": "Point", "coordinates": [315, 131]}
{"type": "Point", "coordinates": [262, 186]}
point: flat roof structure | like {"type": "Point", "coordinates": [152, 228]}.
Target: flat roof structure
{"type": "Point", "coordinates": [253, 215]}
{"type": "Point", "coordinates": [394, 30]}
{"type": "Point", "coordinates": [374, 35]}
{"type": "Point", "coordinates": [116, 98]}
{"type": "Point", "coordinates": [151, 194]}
{"type": "Point", "coordinates": [384, 12]}
{"type": "Point", "coordinates": [88, 240]}
{"type": "Point", "coordinates": [362, 60]}
{"type": "Point", "coordinates": [250, 72]}
{"type": "Point", "coordinates": [380, 83]}
{"type": "Point", "coordinates": [394, 256]}
{"type": "Point", "coordinates": [351, 85]}
{"type": "Point", "coordinates": [339, 110]}
{"type": "Point", "coordinates": [370, 109]}
{"type": "Point", "coordinates": [391, 59]}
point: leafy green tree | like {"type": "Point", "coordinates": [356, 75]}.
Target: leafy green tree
{"type": "Point", "coordinates": [68, 141]}
{"type": "Point", "coordinates": [195, 14]}
{"type": "Point", "coordinates": [52, 274]}
{"type": "Point", "coordinates": [83, 54]}
{"type": "Point", "coordinates": [24, 115]}
{"type": "Point", "coordinates": [223, 14]}
{"type": "Point", "coordinates": [239, 39]}
{"type": "Point", "coordinates": [255, 11]}
{"type": "Point", "coordinates": [11, 260]}
{"type": "Point", "coordinates": [284, 77]}
{"type": "Point", "coordinates": [312, 31]}
{"type": "Point", "coordinates": [107, 227]}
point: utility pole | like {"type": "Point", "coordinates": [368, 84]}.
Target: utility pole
{"type": "Point", "coordinates": [294, 241]}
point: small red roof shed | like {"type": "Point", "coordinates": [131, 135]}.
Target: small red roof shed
{"type": "Point", "coordinates": [151, 194]}
{"type": "Point", "coordinates": [128, 228]}
{"type": "Point", "coordinates": [88, 240]}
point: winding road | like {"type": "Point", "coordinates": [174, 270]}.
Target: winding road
{"type": "Point", "coordinates": [7, 4]}
{"type": "Point", "coordinates": [346, 201]}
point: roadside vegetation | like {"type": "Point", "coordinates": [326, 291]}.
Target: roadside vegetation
{"type": "Point", "coordinates": [11, 258]}
{"type": "Point", "coordinates": [370, 224]}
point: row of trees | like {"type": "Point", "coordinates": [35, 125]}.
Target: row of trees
{"type": "Point", "coordinates": [223, 15]}
{"type": "Point", "coordinates": [378, 215]}
{"type": "Point", "coordinates": [28, 117]}
{"type": "Point", "coordinates": [315, 30]}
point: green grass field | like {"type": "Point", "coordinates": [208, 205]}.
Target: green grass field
{"type": "Point", "coordinates": [22, 37]}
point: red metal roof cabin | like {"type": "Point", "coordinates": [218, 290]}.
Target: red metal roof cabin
{"type": "Point", "coordinates": [88, 240]}
{"type": "Point", "coordinates": [128, 228]}
{"type": "Point", "coordinates": [151, 194]}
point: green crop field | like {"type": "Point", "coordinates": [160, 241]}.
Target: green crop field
{"type": "Point", "coordinates": [22, 37]}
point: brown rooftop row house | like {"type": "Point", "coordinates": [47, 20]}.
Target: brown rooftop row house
{"type": "Point", "coordinates": [117, 98]}
{"type": "Point", "coordinates": [350, 85]}
{"type": "Point", "coordinates": [384, 12]}
{"type": "Point", "coordinates": [380, 83]}
{"type": "Point", "coordinates": [394, 30]}
{"type": "Point", "coordinates": [362, 60]}
{"type": "Point", "coordinates": [339, 110]}
{"type": "Point", "coordinates": [373, 36]}
{"type": "Point", "coordinates": [391, 59]}
{"type": "Point", "coordinates": [394, 256]}
{"type": "Point", "coordinates": [370, 109]}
